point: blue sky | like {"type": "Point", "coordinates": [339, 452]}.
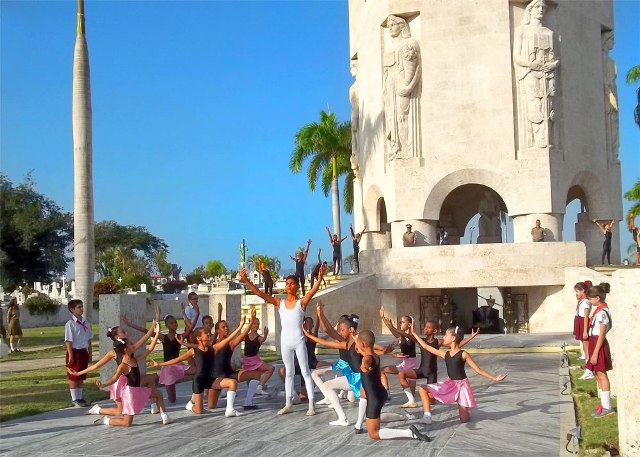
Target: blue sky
{"type": "Point", "coordinates": [195, 105]}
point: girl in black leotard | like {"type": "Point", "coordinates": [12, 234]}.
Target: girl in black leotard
{"type": "Point", "coordinates": [456, 388]}
{"type": "Point", "coordinates": [134, 395]}
{"type": "Point", "coordinates": [375, 394]}
{"type": "Point", "coordinates": [606, 244]}
{"type": "Point", "coordinates": [407, 345]}
{"type": "Point", "coordinates": [204, 356]}
{"type": "Point", "coordinates": [251, 361]}
{"type": "Point", "coordinates": [300, 259]}
{"type": "Point", "coordinates": [336, 244]}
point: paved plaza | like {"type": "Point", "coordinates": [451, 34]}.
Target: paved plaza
{"type": "Point", "coordinates": [521, 416]}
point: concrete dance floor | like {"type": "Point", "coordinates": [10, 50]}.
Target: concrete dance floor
{"type": "Point", "coordinates": [519, 417]}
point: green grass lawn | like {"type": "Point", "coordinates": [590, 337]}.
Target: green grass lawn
{"type": "Point", "coordinates": [598, 435]}
{"type": "Point", "coordinates": [33, 392]}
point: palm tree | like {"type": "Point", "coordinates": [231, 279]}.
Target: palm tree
{"type": "Point", "coordinates": [83, 221]}
{"type": "Point", "coordinates": [633, 77]}
{"type": "Point", "coordinates": [633, 196]}
{"type": "Point", "coordinates": [328, 144]}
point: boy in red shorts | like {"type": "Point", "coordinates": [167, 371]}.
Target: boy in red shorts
{"type": "Point", "coordinates": [77, 339]}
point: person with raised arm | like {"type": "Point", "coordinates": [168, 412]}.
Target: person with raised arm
{"type": "Point", "coordinates": [606, 244]}
{"type": "Point", "coordinates": [301, 259]}
{"type": "Point", "coordinates": [292, 341]}
{"type": "Point", "coordinates": [336, 244]}
{"type": "Point", "coordinates": [356, 237]}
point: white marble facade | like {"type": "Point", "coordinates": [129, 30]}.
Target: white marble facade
{"type": "Point", "coordinates": [458, 98]}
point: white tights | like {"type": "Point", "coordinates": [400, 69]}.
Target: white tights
{"type": "Point", "coordinates": [298, 350]}
{"type": "Point", "coordinates": [330, 388]}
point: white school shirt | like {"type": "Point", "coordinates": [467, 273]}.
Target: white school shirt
{"type": "Point", "coordinates": [585, 305]}
{"type": "Point", "coordinates": [601, 318]}
{"type": "Point", "coordinates": [191, 314]}
{"type": "Point", "coordinates": [78, 332]}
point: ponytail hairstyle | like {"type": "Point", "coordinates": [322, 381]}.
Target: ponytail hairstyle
{"type": "Point", "coordinates": [119, 344]}
{"type": "Point", "coordinates": [457, 332]}
{"type": "Point", "coordinates": [583, 286]}
{"type": "Point", "coordinates": [599, 291]}
{"type": "Point", "coordinates": [355, 320]}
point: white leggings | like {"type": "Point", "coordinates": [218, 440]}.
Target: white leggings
{"type": "Point", "coordinates": [329, 389]}
{"type": "Point", "coordinates": [288, 351]}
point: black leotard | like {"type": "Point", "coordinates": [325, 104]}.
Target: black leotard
{"type": "Point", "coordinates": [133, 377]}
{"type": "Point", "coordinates": [251, 346]}
{"type": "Point", "coordinates": [408, 347]}
{"type": "Point", "coordinates": [455, 366]}
{"type": "Point", "coordinates": [203, 378]}
{"type": "Point", "coordinates": [299, 268]}
{"type": "Point", "coordinates": [222, 363]}
{"type": "Point", "coordinates": [337, 249]}
{"type": "Point", "coordinates": [354, 359]}
{"type": "Point", "coordinates": [311, 353]}
{"type": "Point", "coordinates": [376, 393]}
{"type": "Point", "coordinates": [170, 348]}
{"type": "Point", "coordinates": [428, 368]}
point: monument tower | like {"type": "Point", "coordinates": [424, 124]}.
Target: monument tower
{"type": "Point", "coordinates": [504, 109]}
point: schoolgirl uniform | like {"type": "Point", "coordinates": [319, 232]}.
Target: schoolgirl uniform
{"type": "Point", "coordinates": [408, 348]}
{"type": "Point", "coordinates": [582, 309]}
{"type": "Point", "coordinates": [428, 368]}
{"type": "Point", "coordinates": [456, 388]}
{"type": "Point", "coordinates": [171, 374]}
{"type": "Point", "coordinates": [601, 315]}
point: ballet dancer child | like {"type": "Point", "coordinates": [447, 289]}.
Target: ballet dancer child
{"type": "Point", "coordinates": [375, 394]}
{"type": "Point", "coordinates": [251, 361]}
{"type": "Point", "coordinates": [599, 354]}
{"type": "Point", "coordinates": [77, 339]}
{"type": "Point", "coordinates": [407, 345]}
{"type": "Point", "coordinates": [581, 322]}
{"type": "Point", "coordinates": [291, 310]}
{"type": "Point", "coordinates": [456, 388]}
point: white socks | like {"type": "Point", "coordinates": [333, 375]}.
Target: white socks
{"type": "Point", "coordinates": [391, 433]}
{"type": "Point", "coordinates": [189, 406]}
{"type": "Point", "coordinates": [605, 399]}
{"type": "Point", "coordinates": [362, 409]}
{"type": "Point", "coordinates": [231, 397]}
{"type": "Point", "coordinates": [599, 393]}
{"type": "Point", "coordinates": [251, 391]}
{"type": "Point", "coordinates": [409, 395]}
{"type": "Point", "coordinates": [105, 421]}
{"type": "Point", "coordinates": [76, 394]}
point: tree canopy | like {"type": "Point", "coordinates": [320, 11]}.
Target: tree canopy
{"type": "Point", "coordinates": [35, 235]}
{"type": "Point", "coordinates": [215, 268]}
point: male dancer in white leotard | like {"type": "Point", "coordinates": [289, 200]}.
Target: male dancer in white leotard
{"type": "Point", "coordinates": [292, 341]}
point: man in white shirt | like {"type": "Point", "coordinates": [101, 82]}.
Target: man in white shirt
{"type": "Point", "coordinates": [190, 310]}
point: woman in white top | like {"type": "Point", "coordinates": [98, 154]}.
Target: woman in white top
{"type": "Point", "coordinates": [292, 341]}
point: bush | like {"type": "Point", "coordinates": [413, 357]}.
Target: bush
{"type": "Point", "coordinates": [40, 305]}
{"type": "Point", "coordinates": [133, 282]}
{"type": "Point", "coordinates": [194, 278]}
{"type": "Point", "coordinates": [175, 287]}
{"type": "Point", "coordinates": [103, 287]}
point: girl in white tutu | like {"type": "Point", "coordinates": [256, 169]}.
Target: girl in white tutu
{"type": "Point", "coordinates": [134, 395]}
{"type": "Point", "coordinates": [456, 388]}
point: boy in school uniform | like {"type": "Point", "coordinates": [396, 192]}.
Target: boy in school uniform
{"type": "Point", "coordinates": [77, 339]}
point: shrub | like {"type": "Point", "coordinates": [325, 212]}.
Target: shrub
{"type": "Point", "coordinates": [194, 278]}
{"type": "Point", "coordinates": [175, 286]}
{"type": "Point", "coordinates": [103, 287]}
{"type": "Point", "coordinates": [41, 305]}
{"type": "Point", "coordinates": [133, 282]}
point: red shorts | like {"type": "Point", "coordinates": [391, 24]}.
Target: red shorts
{"type": "Point", "coordinates": [80, 362]}
{"type": "Point", "coordinates": [604, 356]}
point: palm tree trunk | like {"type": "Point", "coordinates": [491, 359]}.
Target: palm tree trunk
{"type": "Point", "coordinates": [335, 201]}
{"type": "Point", "coordinates": [83, 220]}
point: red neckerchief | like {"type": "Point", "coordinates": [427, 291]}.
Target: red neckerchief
{"type": "Point", "coordinates": [595, 313]}
{"type": "Point", "coordinates": [578, 305]}
{"type": "Point", "coordinates": [83, 324]}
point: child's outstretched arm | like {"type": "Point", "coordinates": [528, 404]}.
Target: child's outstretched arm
{"type": "Point", "coordinates": [266, 297]}
{"type": "Point", "coordinates": [326, 325]}
{"type": "Point", "coordinates": [365, 366]}
{"type": "Point", "coordinates": [220, 344]}
{"type": "Point", "coordinates": [112, 379]}
{"type": "Point", "coordinates": [304, 301]}
{"type": "Point", "coordinates": [111, 355]}
{"type": "Point", "coordinates": [325, 343]}
{"type": "Point", "coordinates": [152, 346]}
{"type": "Point", "coordinates": [130, 324]}
{"type": "Point", "coordinates": [394, 331]}
{"type": "Point", "coordinates": [480, 371]}
{"type": "Point", "coordinates": [474, 333]}
{"type": "Point", "coordinates": [240, 338]}
{"type": "Point", "coordinates": [186, 356]}
{"type": "Point", "coordinates": [138, 344]}
{"type": "Point", "coordinates": [424, 345]}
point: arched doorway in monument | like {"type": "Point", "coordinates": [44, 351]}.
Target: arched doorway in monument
{"type": "Point", "coordinates": [460, 215]}
{"type": "Point", "coordinates": [381, 213]}
{"type": "Point", "coordinates": [576, 210]}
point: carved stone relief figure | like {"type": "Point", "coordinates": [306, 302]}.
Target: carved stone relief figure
{"type": "Point", "coordinates": [535, 63]}
{"type": "Point", "coordinates": [401, 91]}
{"type": "Point", "coordinates": [489, 209]}
{"type": "Point", "coordinates": [355, 119]}
{"type": "Point", "coordinates": [610, 98]}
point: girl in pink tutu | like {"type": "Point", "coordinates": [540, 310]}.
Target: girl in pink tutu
{"type": "Point", "coordinates": [117, 334]}
{"type": "Point", "coordinates": [456, 388]}
{"type": "Point", "coordinates": [251, 361]}
{"type": "Point", "coordinates": [599, 354]}
{"type": "Point", "coordinates": [135, 394]}
{"type": "Point", "coordinates": [407, 354]}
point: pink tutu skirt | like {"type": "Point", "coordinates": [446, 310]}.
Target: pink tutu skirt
{"type": "Point", "coordinates": [134, 399]}
{"type": "Point", "coordinates": [171, 374]}
{"type": "Point", "coordinates": [408, 363]}
{"type": "Point", "coordinates": [450, 391]}
{"type": "Point", "coordinates": [115, 390]}
{"type": "Point", "coordinates": [251, 363]}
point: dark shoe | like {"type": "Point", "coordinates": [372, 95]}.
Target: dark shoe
{"type": "Point", "coordinates": [83, 403]}
{"type": "Point", "coordinates": [76, 404]}
{"type": "Point", "coordinates": [358, 431]}
{"type": "Point", "coordinates": [417, 434]}
{"type": "Point", "coordinates": [250, 407]}
{"type": "Point", "coordinates": [99, 421]}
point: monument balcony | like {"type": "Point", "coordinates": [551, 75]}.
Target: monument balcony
{"type": "Point", "coordinates": [473, 265]}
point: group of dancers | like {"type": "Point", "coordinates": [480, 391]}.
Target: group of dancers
{"type": "Point", "coordinates": [357, 373]}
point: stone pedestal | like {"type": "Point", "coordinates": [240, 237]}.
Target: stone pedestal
{"type": "Point", "coordinates": [112, 309]}
{"type": "Point", "coordinates": [552, 224]}
{"type": "Point", "coordinates": [625, 377]}
{"type": "Point", "coordinates": [591, 236]}
{"type": "Point", "coordinates": [231, 307]}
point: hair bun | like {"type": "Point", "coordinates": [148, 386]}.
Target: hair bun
{"type": "Point", "coordinates": [606, 287]}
